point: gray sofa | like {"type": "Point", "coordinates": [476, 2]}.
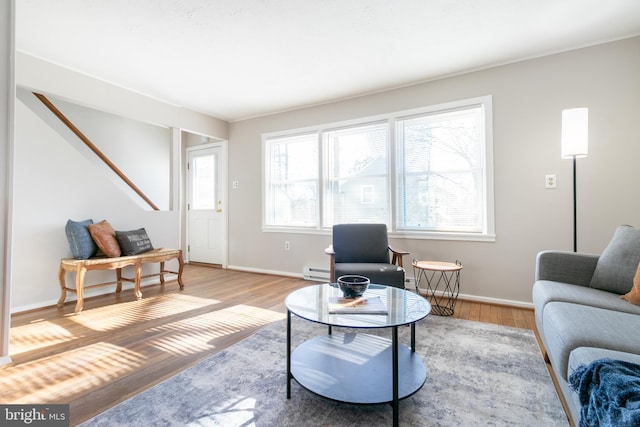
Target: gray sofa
{"type": "Point", "coordinates": [580, 315]}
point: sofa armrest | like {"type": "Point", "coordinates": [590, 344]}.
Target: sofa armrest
{"type": "Point", "coordinates": [566, 267]}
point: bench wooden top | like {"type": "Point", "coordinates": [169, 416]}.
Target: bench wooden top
{"type": "Point", "coordinates": [145, 256]}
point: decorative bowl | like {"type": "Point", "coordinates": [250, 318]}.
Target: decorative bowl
{"type": "Point", "coordinates": [353, 286]}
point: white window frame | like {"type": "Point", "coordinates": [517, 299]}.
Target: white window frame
{"type": "Point", "coordinates": [487, 234]}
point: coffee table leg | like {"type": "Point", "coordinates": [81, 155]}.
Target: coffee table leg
{"type": "Point", "coordinates": [288, 354]}
{"type": "Point", "coordinates": [394, 357]}
{"type": "Point", "coordinates": [413, 337]}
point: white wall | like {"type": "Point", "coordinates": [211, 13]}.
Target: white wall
{"type": "Point", "coordinates": [7, 95]}
{"type": "Point", "coordinates": [141, 151]}
{"type": "Point", "coordinates": [56, 180]}
{"type": "Point", "coordinates": [527, 98]}
{"type": "Point", "coordinates": [50, 79]}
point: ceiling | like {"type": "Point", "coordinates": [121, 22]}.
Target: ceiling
{"type": "Point", "coordinates": [235, 59]}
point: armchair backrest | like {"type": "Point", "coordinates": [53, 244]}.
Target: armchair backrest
{"type": "Point", "coordinates": [361, 243]}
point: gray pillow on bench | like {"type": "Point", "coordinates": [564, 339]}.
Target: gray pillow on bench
{"type": "Point", "coordinates": [133, 242]}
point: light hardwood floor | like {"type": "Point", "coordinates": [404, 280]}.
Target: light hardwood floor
{"type": "Point", "coordinates": [118, 346]}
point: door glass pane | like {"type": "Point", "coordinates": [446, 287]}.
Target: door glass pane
{"type": "Point", "coordinates": [204, 182]}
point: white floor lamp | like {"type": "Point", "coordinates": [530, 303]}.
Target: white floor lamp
{"type": "Point", "coordinates": [575, 143]}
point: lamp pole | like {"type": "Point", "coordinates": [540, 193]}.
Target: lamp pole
{"type": "Point", "coordinates": [575, 209]}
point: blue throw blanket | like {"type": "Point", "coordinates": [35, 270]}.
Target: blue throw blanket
{"type": "Point", "coordinates": [609, 392]}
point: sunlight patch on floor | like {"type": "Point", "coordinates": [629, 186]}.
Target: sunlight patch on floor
{"type": "Point", "coordinates": [133, 312]}
{"type": "Point", "coordinates": [65, 374]}
{"type": "Point", "coordinates": [37, 335]}
{"type": "Point", "coordinates": [199, 333]}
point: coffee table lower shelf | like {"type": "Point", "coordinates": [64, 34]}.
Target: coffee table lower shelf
{"type": "Point", "coordinates": [356, 368]}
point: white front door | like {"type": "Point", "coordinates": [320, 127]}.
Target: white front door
{"type": "Point", "coordinates": [206, 205]}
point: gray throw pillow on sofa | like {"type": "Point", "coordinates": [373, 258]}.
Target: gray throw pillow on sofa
{"type": "Point", "coordinates": [81, 244]}
{"type": "Point", "coordinates": [619, 262]}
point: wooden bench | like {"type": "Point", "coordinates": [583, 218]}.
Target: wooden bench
{"type": "Point", "coordinates": [81, 266]}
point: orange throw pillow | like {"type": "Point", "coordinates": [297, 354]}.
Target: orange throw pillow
{"type": "Point", "coordinates": [105, 237]}
{"type": "Point", "coordinates": [634, 294]}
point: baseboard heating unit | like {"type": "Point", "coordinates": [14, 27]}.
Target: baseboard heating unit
{"type": "Point", "coordinates": [318, 274]}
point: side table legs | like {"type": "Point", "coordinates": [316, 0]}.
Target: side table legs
{"type": "Point", "coordinates": [444, 275]}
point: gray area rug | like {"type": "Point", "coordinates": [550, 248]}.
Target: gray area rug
{"type": "Point", "coordinates": [478, 374]}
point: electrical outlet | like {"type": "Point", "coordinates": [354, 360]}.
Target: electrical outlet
{"type": "Point", "coordinates": [550, 181]}
{"type": "Point", "coordinates": [287, 245]}
{"type": "Point", "coordinates": [236, 185]}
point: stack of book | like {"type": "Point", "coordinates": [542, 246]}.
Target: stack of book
{"type": "Point", "coordinates": [362, 305]}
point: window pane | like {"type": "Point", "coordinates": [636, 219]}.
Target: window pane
{"type": "Point", "coordinates": [204, 182]}
{"type": "Point", "coordinates": [440, 181]}
{"type": "Point", "coordinates": [356, 185]}
{"type": "Point", "coordinates": [292, 175]}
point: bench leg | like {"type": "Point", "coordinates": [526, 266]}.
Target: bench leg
{"type": "Point", "coordinates": [119, 279]}
{"type": "Point", "coordinates": [63, 286]}
{"type": "Point", "coordinates": [162, 272]}
{"type": "Point", "coordinates": [79, 288]}
{"type": "Point", "coordinates": [136, 284]}
{"type": "Point", "coordinates": [180, 268]}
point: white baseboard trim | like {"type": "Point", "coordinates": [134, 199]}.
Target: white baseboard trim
{"type": "Point", "coordinates": [497, 301]}
{"type": "Point", "coordinates": [263, 271]}
{"type": "Point", "coordinates": [5, 360]}
{"type": "Point", "coordinates": [106, 290]}
{"type": "Point", "coordinates": [410, 286]}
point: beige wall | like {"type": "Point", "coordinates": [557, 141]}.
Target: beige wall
{"type": "Point", "coordinates": [528, 98]}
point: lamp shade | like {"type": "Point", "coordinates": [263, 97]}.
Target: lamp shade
{"type": "Point", "coordinates": [575, 133]}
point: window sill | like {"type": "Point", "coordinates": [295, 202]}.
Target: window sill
{"type": "Point", "coordinates": [425, 235]}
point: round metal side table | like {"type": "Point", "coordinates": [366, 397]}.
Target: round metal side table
{"type": "Point", "coordinates": [438, 274]}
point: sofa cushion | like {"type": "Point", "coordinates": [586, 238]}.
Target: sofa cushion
{"type": "Point", "coordinates": [583, 356]}
{"type": "Point", "coordinates": [545, 291]}
{"type": "Point", "coordinates": [618, 263]}
{"type": "Point", "coordinates": [105, 237]}
{"type": "Point", "coordinates": [133, 242]}
{"type": "Point", "coordinates": [634, 294]}
{"type": "Point", "coordinates": [569, 326]}
{"type": "Point", "coordinates": [586, 355]}
{"type": "Point", "coordinates": [380, 273]}
{"type": "Point", "coordinates": [81, 244]}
